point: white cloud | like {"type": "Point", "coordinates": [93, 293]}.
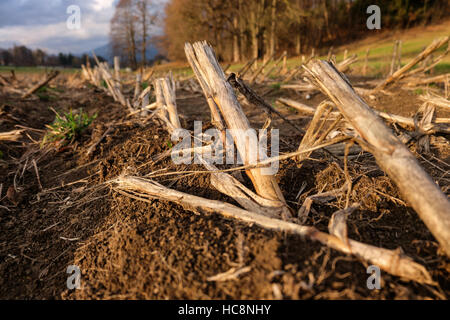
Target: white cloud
{"type": "Point", "coordinates": [56, 37]}
{"type": "Point", "coordinates": [99, 5]}
{"type": "Point", "coordinates": [44, 35]}
{"type": "Point", "coordinates": [42, 24]}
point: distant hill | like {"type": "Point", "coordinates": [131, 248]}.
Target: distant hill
{"type": "Point", "coordinates": [106, 52]}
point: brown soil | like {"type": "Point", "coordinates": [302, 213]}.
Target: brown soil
{"type": "Point", "coordinates": [129, 249]}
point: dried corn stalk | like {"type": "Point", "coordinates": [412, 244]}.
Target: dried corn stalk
{"type": "Point", "coordinates": [49, 77]}
{"type": "Point", "coordinates": [403, 72]}
{"type": "Point", "coordinates": [13, 135]}
{"type": "Point", "coordinates": [221, 97]}
{"type": "Point", "coordinates": [317, 130]}
{"type": "Point", "coordinates": [166, 101]}
{"type": "Point", "coordinates": [392, 261]}
{"type": "Point", "coordinates": [391, 154]}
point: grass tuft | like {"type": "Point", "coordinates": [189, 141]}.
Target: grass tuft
{"type": "Point", "coordinates": [67, 128]}
{"type": "Point", "coordinates": [276, 86]}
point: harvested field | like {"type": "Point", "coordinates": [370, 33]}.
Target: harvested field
{"type": "Point", "coordinates": [63, 203]}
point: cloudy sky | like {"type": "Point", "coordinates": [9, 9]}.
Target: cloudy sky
{"type": "Point", "coordinates": [43, 24]}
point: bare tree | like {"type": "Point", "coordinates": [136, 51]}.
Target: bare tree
{"type": "Point", "coordinates": [130, 29]}
{"type": "Point", "coordinates": [273, 9]}
{"type": "Point", "coordinates": [145, 19]}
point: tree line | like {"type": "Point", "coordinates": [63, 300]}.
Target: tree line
{"type": "Point", "coordinates": [239, 30]}
{"type": "Point", "coordinates": [245, 29]}
{"type": "Point", "coordinates": [130, 31]}
{"type": "Point", "coordinates": [23, 56]}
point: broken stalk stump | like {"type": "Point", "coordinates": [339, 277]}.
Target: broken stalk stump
{"type": "Point", "coordinates": [391, 154]}
{"type": "Point", "coordinates": [47, 79]}
{"type": "Point", "coordinates": [211, 77]}
{"type": "Point", "coordinates": [402, 72]}
{"type": "Point", "coordinates": [166, 101]}
{"type": "Point", "coordinates": [261, 68]}
{"type": "Point", "coordinates": [117, 69]}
